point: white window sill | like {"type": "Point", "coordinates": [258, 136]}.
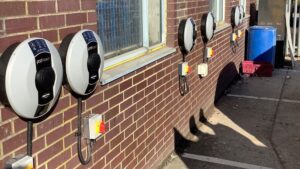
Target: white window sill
{"type": "Point", "coordinates": [128, 67]}
{"type": "Point", "coordinates": [227, 25]}
{"type": "Point", "coordinates": [222, 27]}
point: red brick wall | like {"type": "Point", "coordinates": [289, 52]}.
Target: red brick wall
{"type": "Point", "coordinates": [141, 108]}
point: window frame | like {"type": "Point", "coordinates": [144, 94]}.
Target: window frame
{"type": "Point", "coordinates": [145, 49]}
{"type": "Point", "coordinates": [244, 4]}
{"type": "Point", "coordinates": [220, 22]}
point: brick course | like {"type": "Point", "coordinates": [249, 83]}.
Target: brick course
{"type": "Point", "coordinates": [142, 109]}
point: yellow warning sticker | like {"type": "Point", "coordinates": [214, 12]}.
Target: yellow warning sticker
{"type": "Point", "coordinates": [29, 167]}
{"type": "Point", "coordinates": [98, 127]}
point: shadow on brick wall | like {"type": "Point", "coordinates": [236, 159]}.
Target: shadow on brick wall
{"type": "Point", "coordinates": [227, 76]}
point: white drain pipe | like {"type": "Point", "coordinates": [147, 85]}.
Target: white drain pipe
{"type": "Point", "coordinates": [298, 46]}
{"type": "Point", "coordinates": [290, 49]}
{"type": "Point", "coordinates": [287, 17]}
{"type": "Point", "coordinates": [295, 22]}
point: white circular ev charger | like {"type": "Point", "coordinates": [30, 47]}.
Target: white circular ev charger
{"type": "Point", "coordinates": [83, 58]}
{"type": "Point", "coordinates": [187, 35]}
{"type": "Point", "coordinates": [31, 78]}
{"type": "Point", "coordinates": [208, 26]}
{"type": "Point", "coordinates": [235, 16]}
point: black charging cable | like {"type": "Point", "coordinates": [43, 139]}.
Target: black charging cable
{"type": "Point", "coordinates": [205, 59]}
{"type": "Point", "coordinates": [233, 44]}
{"type": "Point", "coordinates": [79, 137]}
{"type": "Point", "coordinates": [183, 82]}
{"type": "Point", "coordinates": [29, 137]}
{"type": "Point", "coordinates": [183, 85]}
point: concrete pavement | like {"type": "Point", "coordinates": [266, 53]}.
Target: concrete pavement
{"type": "Point", "coordinates": [256, 125]}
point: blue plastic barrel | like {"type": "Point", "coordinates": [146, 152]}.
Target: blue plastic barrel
{"type": "Point", "coordinates": [262, 44]}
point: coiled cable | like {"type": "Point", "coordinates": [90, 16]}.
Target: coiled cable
{"type": "Point", "coordinates": [79, 137]}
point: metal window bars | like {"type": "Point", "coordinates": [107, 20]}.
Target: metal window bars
{"type": "Point", "coordinates": [119, 25]}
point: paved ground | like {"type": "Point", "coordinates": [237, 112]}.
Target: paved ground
{"type": "Point", "coordinates": [257, 125]}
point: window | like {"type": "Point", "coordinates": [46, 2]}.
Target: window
{"type": "Point", "coordinates": [129, 28]}
{"type": "Point", "coordinates": [244, 4]}
{"type": "Point", "coordinates": [218, 9]}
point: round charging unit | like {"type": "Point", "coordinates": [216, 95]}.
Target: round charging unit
{"type": "Point", "coordinates": [187, 35]}
{"type": "Point", "coordinates": [31, 78]}
{"type": "Point", "coordinates": [235, 16]}
{"type": "Point", "coordinates": [83, 58]}
{"type": "Point", "coordinates": [242, 13]}
{"type": "Point", "coordinates": [208, 26]}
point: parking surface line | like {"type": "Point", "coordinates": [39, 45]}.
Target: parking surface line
{"type": "Point", "coordinates": [222, 161]}
{"type": "Point", "coordinates": [263, 98]}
